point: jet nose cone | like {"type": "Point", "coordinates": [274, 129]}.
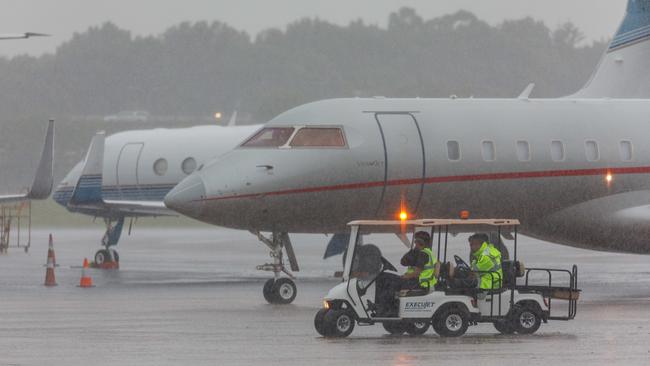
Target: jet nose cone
{"type": "Point", "coordinates": [186, 197]}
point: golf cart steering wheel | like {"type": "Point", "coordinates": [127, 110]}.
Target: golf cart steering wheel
{"type": "Point", "coordinates": [460, 263]}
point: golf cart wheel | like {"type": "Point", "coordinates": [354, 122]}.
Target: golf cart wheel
{"type": "Point", "coordinates": [394, 328]}
{"type": "Point", "coordinates": [338, 323]}
{"type": "Point", "coordinates": [416, 329]}
{"type": "Point", "coordinates": [451, 322]}
{"type": "Point", "coordinates": [269, 296]}
{"type": "Point", "coordinates": [284, 291]}
{"type": "Point", "coordinates": [526, 320]}
{"type": "Point", "coordinates": [504, 326]}
{"type": "Point", "coordinates": [319, 320]}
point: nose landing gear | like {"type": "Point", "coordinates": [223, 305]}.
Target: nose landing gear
{"type": "Point", "coordinates": [279, 290]}
{"type": "Point", "coordinates": [108, 258]}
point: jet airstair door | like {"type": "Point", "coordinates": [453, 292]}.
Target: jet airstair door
{"type": "Point", "coordinates": [127, 171]}
{"type": "Point", "coordinates": [404, 165]}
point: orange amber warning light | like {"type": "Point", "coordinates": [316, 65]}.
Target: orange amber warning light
{"type": "Point", "coordinates": [403, 216]}
{"type": "Point", "coordinates": [464, 215]}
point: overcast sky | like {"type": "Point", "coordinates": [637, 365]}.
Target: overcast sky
{"type": "Point", "coordinates": [61, 18]}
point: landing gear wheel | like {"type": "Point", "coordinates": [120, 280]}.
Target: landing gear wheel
{"type": "Point", "coordinates": [417, 329]}
{"type": "Point", "coordinates": [101, 257]}
{"type": "Point", "coordinates": [504, 326]}
{"type": "Point", "coordinates": [394, 328]}
{"type": "Point", "coordinates": [319, 320]}
{"type": "Point", "coordinates": [338, 323]}
{"type": "Point", "coordinates": [280, 291]}
{"type": "Point", "coordinates": [452, 322]}
{"type": "Point", "coordinates": [285, 291]}
{"type": "Point", "coordinates": [526, 320]}
{"type": "Point", "coordinates": [269, 296]}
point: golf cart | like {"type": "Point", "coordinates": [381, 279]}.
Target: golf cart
{"type": "Point", "coordinates": [520, 305]}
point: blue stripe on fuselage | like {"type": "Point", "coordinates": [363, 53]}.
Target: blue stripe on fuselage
{"type": "Point", "coordinates": [154, 192]}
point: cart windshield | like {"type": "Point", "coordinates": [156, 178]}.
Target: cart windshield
{"type": "Point", "coordinates": [376, 253]}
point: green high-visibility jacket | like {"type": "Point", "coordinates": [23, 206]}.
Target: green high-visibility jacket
{"type": "Point", "coordinates": [427, 276]}
{"type": "Point", "coordinates": [488, 259]}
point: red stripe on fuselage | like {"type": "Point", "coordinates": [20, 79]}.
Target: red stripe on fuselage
{"type": "Point", "coordinates": [449, 179]}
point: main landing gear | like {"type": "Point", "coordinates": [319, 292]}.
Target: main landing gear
{"type": "Point", "coordinates": [279, 290]}
{"type": "Point", "coordinates": [108, 258]}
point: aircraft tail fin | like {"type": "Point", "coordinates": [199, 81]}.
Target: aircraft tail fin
{"type": "Point", "coordinates": [44, 179]}
{"type": "Point", "coordinates": [623, 70]}
{"type": "Point", "coordinates": [89, 185]}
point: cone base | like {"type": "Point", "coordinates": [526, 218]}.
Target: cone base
{"type": "Point", "coordinates": [86, 282]}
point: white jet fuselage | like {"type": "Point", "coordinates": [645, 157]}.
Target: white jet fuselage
{"type": "Point", "coordinates": [143, 165]}
{"type": "Point", "coordinates": [574, 171]}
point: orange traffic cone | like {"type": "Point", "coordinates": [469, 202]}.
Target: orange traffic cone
{"type": "Point", "coordinates": [50, 251]}
{"type": "Point", "coordinates": [49, 272]}
{"type": "Point", "coordinates": [85, 281]}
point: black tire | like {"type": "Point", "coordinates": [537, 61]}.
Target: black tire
{"type": "Point", "coordinates": [338, 323]}
{"type": "Point", "coordinates": [394, 328]}
{"type": "Point", "coordinates": [416, 329]}
{"type": "Point", "coordinates": [102, 256]}
{"type": "Point", "coordinates": [319, 320]}
{"type": "Point", "coordinates": [451, 322]}
{"type": "Point", "coordinates": [526, 320]}
{"type": "Point", "coordinates": [284, 291]}
{"type": "Point", "coordinates": [504, 326]}
{"type": "Point", "coordinates": [269, 295]}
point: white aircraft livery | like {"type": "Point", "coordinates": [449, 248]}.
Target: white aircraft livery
{"type": "Point", "coordinates": [43, 180]}
{"type": "Point", "coordinates": [128, 174]}
{"type": "Point", "coordinates": [574, 170]}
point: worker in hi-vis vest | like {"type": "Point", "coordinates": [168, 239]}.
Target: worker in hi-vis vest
{"type": "Point", "coordinates": [485, 260]}
{"type": "Point", "coordinates": [421, 263]}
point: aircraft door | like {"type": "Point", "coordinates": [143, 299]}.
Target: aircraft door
{"type": "Point", "coordinates": [405, 165]}
{"type": "Point", "coordinates": [127, 170]}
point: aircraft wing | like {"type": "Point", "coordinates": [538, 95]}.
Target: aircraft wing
{"type": "Point", "coordinates": [154, 208]}
{"type": "Point", "coordinates": [22, 35]}
{"type": "Point", "coordinates": [42, 185]}
{"type": "Point", "coordinates": [87, 194]}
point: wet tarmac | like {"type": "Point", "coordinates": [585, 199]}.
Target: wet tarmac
{"type": "Point", "coordinates": [193, 297]}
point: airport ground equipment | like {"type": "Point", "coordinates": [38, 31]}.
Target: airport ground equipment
{"type": "Point", "coordinates": [15, 224]}
{"type": "Point", "coordinates": [520, 305]}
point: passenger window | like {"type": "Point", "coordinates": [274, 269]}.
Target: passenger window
{"type": "Point", "coordinates": [270, 137]}
{"type": "Point", "coordinates": [523, 151]}
{"type": "Point", "coordinates": [557, 151]}
{"type": "Point", "coordinates": [489, 153]}
{"type": "Point", "coordinates": [188, 165]}
{"type": "Point", "coordinates": [160, 167]}
{"type": "Point", "coordinates": [625, 148]}
{"type": "Point", "coordinates": [318, 137]}
{"type": "Point", "coordinates": [453, 150]}
{"type": "Point", "coordinates": [591, 150]}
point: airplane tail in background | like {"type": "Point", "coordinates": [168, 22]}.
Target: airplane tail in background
{"type": "Point", "coordinates": [623, 70]}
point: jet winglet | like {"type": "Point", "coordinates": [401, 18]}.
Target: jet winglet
{"type": "Point", "coordinates": [44, 179]}
{"type": "Point", "coordinates": [526, 93]}
{"type": "Point", "coordinates": [89, 185]}
{"type": "Point", "coordinates": [233, 119]}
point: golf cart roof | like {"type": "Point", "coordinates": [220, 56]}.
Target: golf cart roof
{"type": "Point", "coordinates": [437, 222]}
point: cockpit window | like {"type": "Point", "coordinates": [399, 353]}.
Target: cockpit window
{"type": "Point", "coordinates": [318, 137]}
{"type": "Point", "coordinates": [270, 137]}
